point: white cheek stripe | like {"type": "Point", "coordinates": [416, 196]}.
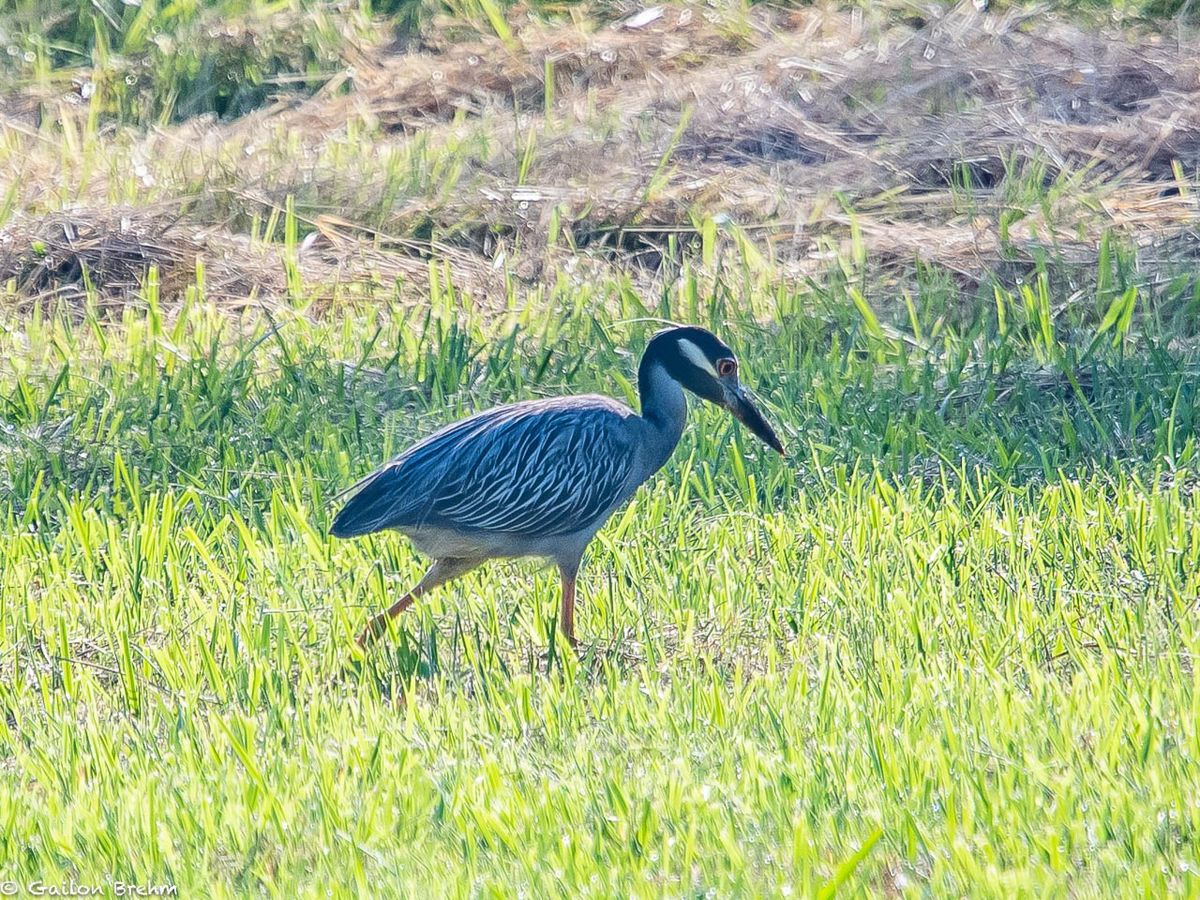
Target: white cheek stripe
{"type": "Point", "coordinates": [696, 355]}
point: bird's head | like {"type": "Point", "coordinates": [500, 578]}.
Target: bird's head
{"type": "Point", "coordinates": [702, 363]}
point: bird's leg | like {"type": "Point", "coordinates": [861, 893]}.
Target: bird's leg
{"type": "Point", "coordinates": [378, 625]}
{"type": "Point", "coordinates": [440, 572]}
{"type": "Point", "coordinates": [566, 619]}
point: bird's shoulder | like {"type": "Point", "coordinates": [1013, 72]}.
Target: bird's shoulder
{"type": "Point", "coordinates": [504, 422]}
{"type": "Point", "coordinates": [574, 405]}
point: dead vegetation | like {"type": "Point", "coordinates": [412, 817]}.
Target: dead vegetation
{"type": "Point", "coordinates": [111, 252]}
{"type": "Point", "coordinates": [965, 139]}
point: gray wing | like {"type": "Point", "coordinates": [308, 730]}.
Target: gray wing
{"type": "Point", "coordinates": [535, 469]}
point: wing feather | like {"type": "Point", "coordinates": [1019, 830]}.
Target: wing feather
{"type": "Point", "coordinates": [542, 468]}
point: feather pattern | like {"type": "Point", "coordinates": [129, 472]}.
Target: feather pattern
{"type": "Point", "coordinates": [540, 468]}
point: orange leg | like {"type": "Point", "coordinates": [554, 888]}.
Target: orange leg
{"type": "Point", "coordinates": [567, 619]}
{"type": "Point", "coordinates": [440, 572]}
{"type": "Point", "coordinates": [378, 625]}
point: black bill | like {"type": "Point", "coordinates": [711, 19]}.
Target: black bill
{"type": "Point", "coordinates": [747, 413]}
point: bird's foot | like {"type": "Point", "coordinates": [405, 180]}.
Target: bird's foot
{"type": "Point", "coordinates": [375, 629]}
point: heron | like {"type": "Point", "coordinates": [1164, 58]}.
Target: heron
{"type": "Point", "coordinates": [539, 478]}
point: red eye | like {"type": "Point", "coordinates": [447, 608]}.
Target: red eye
{"type": "Point", "coordinates": [726, 367]}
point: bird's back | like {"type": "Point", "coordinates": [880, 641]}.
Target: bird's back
{"type": "Point", "coordinates": [535, 469]}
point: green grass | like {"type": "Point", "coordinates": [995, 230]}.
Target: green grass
{"type": "Point", "coordinates": [150, 62]}
{"type": "Point", "coordinates": [946, 648]}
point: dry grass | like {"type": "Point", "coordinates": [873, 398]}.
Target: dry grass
{"type": "Point", "coordinates": [969, 140]}
{"type": "Point", "coordinates": [110, 253]}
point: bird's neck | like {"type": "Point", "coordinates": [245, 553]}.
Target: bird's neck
{"type": "Point", "coordinates": [664, 410]}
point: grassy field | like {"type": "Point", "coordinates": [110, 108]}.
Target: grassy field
{"type": "Point", "coordinates": [947, 647]}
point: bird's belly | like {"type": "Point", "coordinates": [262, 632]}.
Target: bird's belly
{"type": "Point", "coordinates": [446, 543]}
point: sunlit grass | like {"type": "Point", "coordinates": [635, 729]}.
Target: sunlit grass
{"type": "Point", "coordinates": [946, 647]}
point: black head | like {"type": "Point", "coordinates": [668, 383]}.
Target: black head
{"type": "Point", "coordinates": [704, 364]}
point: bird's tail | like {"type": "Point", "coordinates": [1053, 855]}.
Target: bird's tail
{"type": "Point", "coordinates": [363, 512]}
